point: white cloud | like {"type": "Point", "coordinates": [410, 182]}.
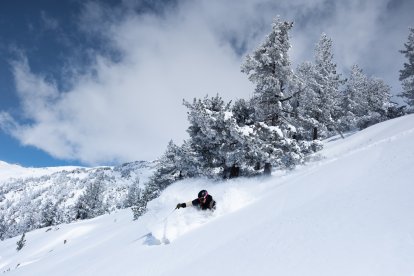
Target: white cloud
{"type": "Point", "coordinates": [129, 110]}
{"type": "Point", "coordinates": [49, 22]}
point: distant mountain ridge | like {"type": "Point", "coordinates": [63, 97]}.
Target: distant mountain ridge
{"type": "Point", "coordinates": [8, 170]}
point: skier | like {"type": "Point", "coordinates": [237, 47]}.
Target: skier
{"type": "Point", "coordinates": [203, 202]}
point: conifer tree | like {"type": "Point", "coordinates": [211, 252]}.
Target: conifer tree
{"type": "Point", "coordinates": [327, 85]}
{"type": "Point", "coordinates": [318, 97]}
{"type": "Point", "coordinates": [3, 228]}
{"type": "Point", "coordinates": [48, 214]}
{"type": "Point", "coordinates": [365, 100]}
{"type": "Point", "coordinates": [407, 74]}
{"type": "Point", "coordinates": [354, 104]}
{"type": "Point", "coordinates": [306, 109]}
{"type": "Point", "coordinates": [169, 168]}
{"type": "Point", "coordinates": [273, 137]}
{"type": "Point", "coordinates": [269, 68]}
{"type": "Point", "coordinates": [90, 204]}
{"type": "Point", "coordinates": [209, 130]}
{"type": "Point", "coordinates": [133, 195]}
{"type": "Point", "coordinates": [135, 200]}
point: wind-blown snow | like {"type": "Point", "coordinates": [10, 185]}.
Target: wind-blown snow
{"type": "Point", "coordinates": [348, 212]}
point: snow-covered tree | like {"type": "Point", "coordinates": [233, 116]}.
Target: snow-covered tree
{"type": "Point", "coordinates": [90, 204]}
{"type": "Point", "coordinates": [243, 112]}
{"type": "Point", "coordinates": [407, 74]}
{"type": "Point", "coordinates": [306, 108]}
{"type": "Point", "coordinates": [365, 100]}
{"type": "Point", "coordinates": [168, 170]}
{"type": "Point", "coordinates": [269, 68]}
{"type": "Point", "coordinates": [210, 138]}
{"type": "Point", "coordinates": [49, 214]}
{"type": "Point", "coordinates": [273, 137]}
{"type": "Point", "coordinates": [30, 219]}
{"type": "Point", "coordinates": [135, 200]}
{"type": "Point", "coordinates": [327, 85]}
{"type": "Point", "coordinates": [3, 227]}
{"type": "Point", "coordinates": [134, 194]}
{"type": "Point", "coordinates": [378, 97]}
{"type": "Point", "coordinates": [354, 103]}
{"type": "Point", "coordinates": [318, 83]}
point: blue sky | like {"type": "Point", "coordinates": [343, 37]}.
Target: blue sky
{"type": "Point", "coordinates": [23, 28]}
{"type": "Point", "coordinates": [102, 82]}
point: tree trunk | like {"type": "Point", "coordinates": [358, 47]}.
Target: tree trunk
{"type": "Point", "coordinates": [234, 171]}
{"type": "Point", "coordinates": [315, 133]}
{"type": "Point", "coordinates": [267, 169]}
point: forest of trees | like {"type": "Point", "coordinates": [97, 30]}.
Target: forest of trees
{"type": "Point", "coordinates": [279, 127]}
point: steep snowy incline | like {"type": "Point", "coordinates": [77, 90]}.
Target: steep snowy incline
{"type": "Point", "coordinates": [349, 213]}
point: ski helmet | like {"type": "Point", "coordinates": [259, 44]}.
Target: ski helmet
{"type": "Point", "coordinates": [202, 194]}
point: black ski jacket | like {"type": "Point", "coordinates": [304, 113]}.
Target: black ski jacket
{"type": "Point", "coordinates": [210, 203]}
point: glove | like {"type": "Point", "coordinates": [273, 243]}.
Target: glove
{"type": "Point", "coordinates": [180, 205]}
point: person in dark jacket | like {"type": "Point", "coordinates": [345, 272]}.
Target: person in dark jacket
{"type": "Point", "coordinates": [203, 202]}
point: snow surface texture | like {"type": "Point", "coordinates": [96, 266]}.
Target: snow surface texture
{"type": "Point", "coordinates": [349, 212]}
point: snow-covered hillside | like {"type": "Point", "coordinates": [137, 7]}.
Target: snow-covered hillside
{"type": "Point", "coordinates": [32, 198]}
{"type": "Point", "coordinates": [347, 212]}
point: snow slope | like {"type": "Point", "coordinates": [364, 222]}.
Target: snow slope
{"type": "Point", "coordinates": [348, 212]}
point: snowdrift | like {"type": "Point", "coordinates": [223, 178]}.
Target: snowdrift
{"type": "Point", "coordinates": [347, 212]}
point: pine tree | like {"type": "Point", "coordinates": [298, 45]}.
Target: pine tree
{"type": "Point", "coordinates": [133, 195]}
{"type": "Point", "coordinates": [273, 138]}
{"type": "Point", "coordinates": [3, 228]}
{"type": "Point", "coordinates": [354, 104]}
{"type": "Point", "coordinates": [407, 74]}
{"type": "Point", "coordinates": [135, 200]}
{"type": "Point", "coordinates": [90, 204]}
{"type": "Point", "coordinates": [366, 100]}
{"type": "Point", "coordinates": [210, 138]}
{"type": "Point", "coordinates": [48, 214]}
{"type": "Point", "coordinates": [31, 218]}
{"type": "Point", "coordinates": [378, 97]}
{"type": "Point", "coordinates": [327, 85]}
{"type": "Point", "coordinates": [307, 101]}
{"type": "Point", "coordinates": [318, 97]}
{"type": "Point", "coordinates": [170, 168]}
{"type": "Point", "coordinates": [269, 68]}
